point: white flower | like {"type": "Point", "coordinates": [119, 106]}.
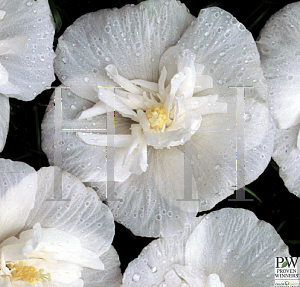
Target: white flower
{"type": "Point", "coordinates": [57, 242]}
{"type": "Point", "coordinates": [174, 106]}
{"type": "Point", "coordinates": [229, 247]}
{"type": "Point", "coordinates": [279, 47]}
{"type": "Point", "coordinates": [26, 53]}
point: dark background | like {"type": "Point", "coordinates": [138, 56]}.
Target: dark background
{"type": "Point", "coordinates": [278, 207]}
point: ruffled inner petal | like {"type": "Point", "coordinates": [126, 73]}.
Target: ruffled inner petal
{"type": "Point", "coordinates": [101, 139]}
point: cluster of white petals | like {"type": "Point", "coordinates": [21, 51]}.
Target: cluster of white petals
{"type": "Point", "coordinates": [156, 93]}
{"type": "Point", "coordinates": [279, 48]}
{"type": "Point", "coordinates": [170, 81]}
{"type": "Point", "coordinates": [47, 240]}
{"type": "Point", "coordinates": [229, 247]}
{"type": "Point", "coordinates": [26, 53]}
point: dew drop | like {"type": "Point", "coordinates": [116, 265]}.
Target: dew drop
{"type": "Point", "coordinates": [136, 277]}
{"type": "Point", "coordinates": [73, 107]}
{"type": "Point", "coordinates": [158, 217]}
{"type": "Point", "coordinates": [247, 117]}
{"type": "Point", "coordinates": [86, 79]}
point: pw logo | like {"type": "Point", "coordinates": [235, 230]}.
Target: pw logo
{"type": "Point", "coordinates": [290, 262]}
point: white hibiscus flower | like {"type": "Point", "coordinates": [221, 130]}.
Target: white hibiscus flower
{"type": "Point", "coordinates": [174, 110]}
{"type": "Point", "coordinates": [279, 47]}
{"type": "Point", "coordinates": [229, 247]}
{"type": "Point", "coordinates": [26, 54]}
{"type": "Point", "coordinates": [46, 242]}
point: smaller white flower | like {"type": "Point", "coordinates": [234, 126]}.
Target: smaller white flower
{"type": "Point", "coordinates": [229, 247]}
{"type": "Point", "coordinates": [40, 249]}
{"type": "Point", "coordinates": [62, 243]}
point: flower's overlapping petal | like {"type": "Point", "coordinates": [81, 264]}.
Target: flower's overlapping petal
{"type": "Point", "coordinates": [141, 32]}
{"type": "Point", "coordinates": [112, 275]}
{"type": "Point", "coordinates": [4, 120]}
{"type": "Point", "coordinates": [214, 145]}
{"type": "Point", "coordinates": [287, 156]}
{"type": "Point", "coordinates": [18, 184]}
{"type": "Point", "coordinates": [230, 246]}
{"type": "Point", "coordinates": [86, 162]}
{"type": "Point", "coordinates": [29, 70]}
{"type": "Point", "coordinates": [279, 48]}
{"type": "Point", "coordinates": [78, 212]}
{"type": "Point", "coordinates": [154, 203]}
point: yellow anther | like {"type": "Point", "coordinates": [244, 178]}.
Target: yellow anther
{"type": "Point", "coordinates": [22, 272]}
{"type": "Point", "coordinates": [157, 116]}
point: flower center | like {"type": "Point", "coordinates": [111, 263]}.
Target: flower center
{"type": "Point", "coordinates": [22, 272]}
{"type": "Point", "coordinates": [157, 116]}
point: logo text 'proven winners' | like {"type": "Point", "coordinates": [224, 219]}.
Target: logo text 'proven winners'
{"type": "Point", "coordinates": [287, 271]}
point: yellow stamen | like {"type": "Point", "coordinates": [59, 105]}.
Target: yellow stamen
{"type": "Point", "coordinates": [157, 116]}
{"type": "Point", "coordinates": [22, 272]}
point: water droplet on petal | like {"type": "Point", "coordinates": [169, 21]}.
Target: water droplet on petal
{"type": "Point", "coordinates": [154, 269]}
{"type": "Point", "coordinates": [136, 277]}
{"type": "Point", "coordinates": [247, 117]}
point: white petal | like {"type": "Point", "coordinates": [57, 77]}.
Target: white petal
{"type": "Point", "coordinates": [62, 246]}
{"type": "Point", "coordinates": [110, 277]}
{"type": "Point", "coordinates": [215, 161]}
{"type": "Point", "coordinates": [13, 252]}
{"type": "Point", "coordinates": [279, 48]}
{"type": "Point", "coordinates": [3, 76]}
{"type": "Point", "coordinates": [164, 139]}
{"type": "Point", "coordinates": [84, 216]}
{"type": "Point", "coordinates": [87, 162]}
{"type": "Point", "coordinates": [18, 189]}
{"type": "Point", "coordinates": [139, 161]}
{"type": "Point", "coordinates": [98, 109]}
{"type": "Point", "coordinates": [161, 255]}
{"type": "Point", "coordinates": [149, 205]}
{"type": "Point", "coordinates": [92, 36]}
{"type": "Point", "coordinates": [4, 120]}
{"type": "Point", "coordinates": [203, 82]}
{"type": "Point", "coordinates": [61, 272]}
{"type": "Point", "coordinates": [101, 139]}
{"type": "Point", "coordinates": [287, 156]}
{"type": "Point", "coordinates": [35, 22]}
{"type": "Point", "coordinates": [240, 241]}
{"type": "Point", "coordinates": [2, 14]}
{"type": "Point", "coordinates": [112, 100]}
{"type": "Point", "coordinates": [112, 72]}
{"type": "Point", "coordinates": [146, 85]}
{"type": "Point", "coordinates": [161, 83]}
{"type": "Point", "coordinates": [208, 105]}
{"type": "Point", "coordinates": [5, 281]}
{"type": "Point", "coordinates": [143, 120]}
{"type": "Point", "coordinates": [174, 85]}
